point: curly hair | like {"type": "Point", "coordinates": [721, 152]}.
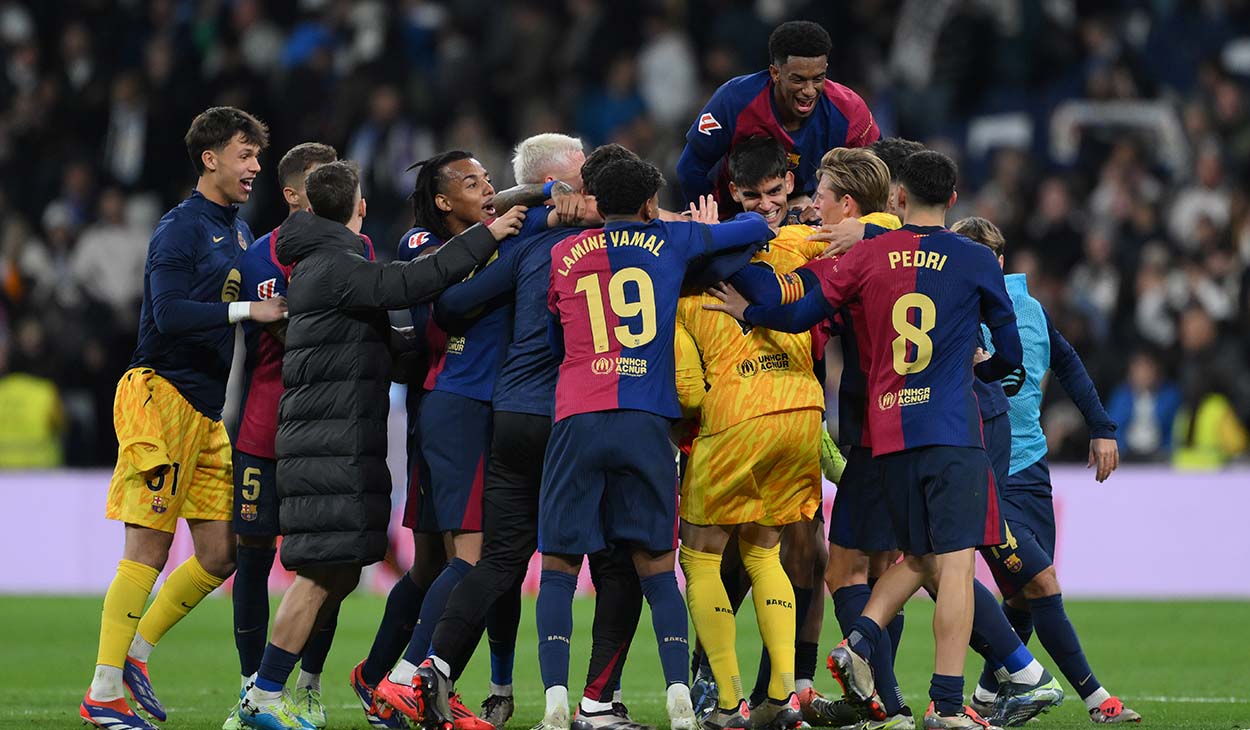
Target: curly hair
{"type": "Point", "coordinates": [801, 38]}
{"type": "Point", "coordinates": [624, 186]}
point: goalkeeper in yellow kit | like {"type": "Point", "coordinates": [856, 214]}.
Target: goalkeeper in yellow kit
{"type": "Point", "coordinates": [754, 464]}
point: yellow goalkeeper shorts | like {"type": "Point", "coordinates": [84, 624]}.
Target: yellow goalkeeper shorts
{"type": "Point", "coordinates": [765, 469]}
{"type": "Point", "coordinates": [172, 460]}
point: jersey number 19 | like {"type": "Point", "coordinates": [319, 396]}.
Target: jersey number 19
{"type": "Point", "coordinates": [642, 306]}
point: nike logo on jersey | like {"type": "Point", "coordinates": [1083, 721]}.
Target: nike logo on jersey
{"type": "Point", "coordinates": [218, 239]}
{"type": "Point", "coordinates": [131, 615]}
{"type": "Point", "coordinates": [184, 605]}
{"type": "Point", "coordinates": [708, 124]}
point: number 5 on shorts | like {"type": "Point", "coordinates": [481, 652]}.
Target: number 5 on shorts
{"type": "Point", "coordinates": [251, 484]}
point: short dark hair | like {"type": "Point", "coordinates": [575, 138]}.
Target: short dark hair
{"type": "Point", "coordinates": [983, 231]}
{"type": "Point", "coordinates": [299, 158]}
{"type": "Point", "coordinates": [212, 129]}
{"type": "Point", "coordinates": [332, 190]}
{"type": "Point", "coordinates": [631, 183]}
{"type": "Point", "coordinates": [801, 38]}
{"type": "Point", "coordinates": [756, 159]}
{"type": "Point", "coordinates": [598, 159]}
{"type": "Point", "coordinates": [430, 182]}
{"type": "Point", "coordinates": [929, 177]}
{"type": "Point", "coordinates": [893, 150]}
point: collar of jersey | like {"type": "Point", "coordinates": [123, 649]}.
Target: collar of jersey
{"type": "Point", "coordinates": [923, 229]}
{"type": "Point", "coordinates": [226, 213]}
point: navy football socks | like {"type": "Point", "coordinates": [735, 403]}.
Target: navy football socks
{"type": "Point", "coordinates": [432, 609]}
{"type": "Point", "coordinates": [555, 626]}
{"type": "Point", "coordinates": [403, 605]}
{"type": "Point", "coordinates": [251, 605]}
{"type": "Point", "coordinates": [501, 630]}
{"type": "Point", "coordinates": [992, 635]}
{"type": "Point", "coordinates": [275, 669]}
{"type": "Point", "coordinates": [947, 693]}
{"type": "Point", "coordinates": [668, 618]}
{"type": "Point", "coordinates": [869, 641]}
{"type": "Point", "coordinates": [313, 658]}
{"type": "Point", "coordinates": [1055, 632]}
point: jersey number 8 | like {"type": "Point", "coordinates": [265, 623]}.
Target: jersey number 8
{"type": "Point", "coordinates": [643, 306]}
{"type": "Point", "coordinates": [913, 334]}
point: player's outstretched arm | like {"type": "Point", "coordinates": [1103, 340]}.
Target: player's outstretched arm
{"type": "Point", "coordinates": [370, 285]}
{"type": "Point", "coordinates": [742, 229]}
{"type": "Point", "coordinates": [795, 317]}
{"type": "Point", "coordinates": [173, 309]}
{"type": "Point", "coordinates": [1104, 452]}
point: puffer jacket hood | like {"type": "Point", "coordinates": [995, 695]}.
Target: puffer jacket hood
{"type": "Point", "coordinates": [304, 233]}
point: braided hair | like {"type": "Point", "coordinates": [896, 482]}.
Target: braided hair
{"type": "Point", "coordinates": [431, 180]}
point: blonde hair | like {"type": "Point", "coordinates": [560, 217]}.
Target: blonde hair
{"type": "Point", "coordinates": [859, 173]}
{"type": "Point", "coordinates": [983, 232]}
{"type": "Point", "coordinates": [534, 157]}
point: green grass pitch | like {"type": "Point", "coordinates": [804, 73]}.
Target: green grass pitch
{"type": "Point", "coordinates": [1181, 664]}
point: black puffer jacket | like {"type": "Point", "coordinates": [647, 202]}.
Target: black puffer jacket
{"type": "Point", "coordinates": [331, 443]}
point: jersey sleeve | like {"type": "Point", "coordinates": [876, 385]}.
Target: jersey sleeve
{"type": "Point", "coordinates": [172, 255]}
{"type": "Point", "coordinates": [691, 384]}
{"type": "Point", "coordinates": [861, 128]}
{"type": "Point", "coordinates": [1077, 384]}
{"type": "Point", "coordinates": [999, 316]}
{"type": "Point", "coordinates": [494, 280]}
{"type": "Point", "coordinates": [707, 141]}
{"type": "Point", "coordinates": [742, 229]}
{"type": "Point", "coordinates": [795, 317]}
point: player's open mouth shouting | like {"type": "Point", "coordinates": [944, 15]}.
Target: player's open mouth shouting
{"type": "Point", "coordinates": [488, 208]}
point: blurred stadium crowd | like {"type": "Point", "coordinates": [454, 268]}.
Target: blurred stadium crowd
{"type": "Point", "coordinates": [1110, 140]}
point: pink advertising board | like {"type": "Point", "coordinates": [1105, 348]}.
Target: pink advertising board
{"type": "Point", "coordinates": [1147, 532]}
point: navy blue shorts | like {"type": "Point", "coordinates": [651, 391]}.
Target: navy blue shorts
{"type": "Point", "coordinates": [455, 445]}
{"type": "Point", "coordinates": [941, 499]}
{"type": "Point", "coordinates": [997, 435]}
{"type": "Point", "coordinates": [859, 519]}
{"type": "Point", "coordinates": [1029, 547]}
{"type": "Point", "coordinates": [418, 471]}
{"type": "Point", "coordinates": [609, 478]}
{"type": "Point", "coordinates": [255, 495]}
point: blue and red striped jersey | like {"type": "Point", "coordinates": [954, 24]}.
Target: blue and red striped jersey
{"type": "Point", "coordinates": [476, 344]}
{"type": "Point", "coordinates": [922, 292]}
{"type": "Point", "coordinates": [613, 296]}
{"type": "Point", "coordinates": [418, 242]}
{"type": "Point", "coordinates": [743, 107]}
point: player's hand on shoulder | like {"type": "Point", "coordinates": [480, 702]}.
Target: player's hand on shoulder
{"type": "Point", "coordinates": [269, 310]}
{"type": "Point", "coordinates": [508, 224]}
{"type": "Point", "coordinates": [730, 301]}
{"type": "Point", "coordinates": [1105, 454]}
{"type": "Point", "coordinates": [840, 237]}
{"type": "Point", "coordinates": [705, 210]}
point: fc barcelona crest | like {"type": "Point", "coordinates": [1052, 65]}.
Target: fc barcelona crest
{"type": "Point", "coordinates": [248, 512]}
{"type": "Point", "coordinates": [158, 505]}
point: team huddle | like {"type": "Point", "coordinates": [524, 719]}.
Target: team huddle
{"type": "Point", "coordinates": [591, 376]}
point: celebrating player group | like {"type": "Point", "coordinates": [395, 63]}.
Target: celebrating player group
{"type": "Point", "coordinates": [590, 375]}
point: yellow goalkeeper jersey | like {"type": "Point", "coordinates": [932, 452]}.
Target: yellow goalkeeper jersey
{"type": "Point", "coordinates": [726, 375]}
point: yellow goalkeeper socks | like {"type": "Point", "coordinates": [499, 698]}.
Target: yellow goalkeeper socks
{"type": "Point", "coordinates": [713, 618]}
{"type": "Point", "coordinates": [123, 605]}
{"type": "Point", "coordinates": [183, 591]}
{"type": "Point", "coordinates": [774, 609]}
